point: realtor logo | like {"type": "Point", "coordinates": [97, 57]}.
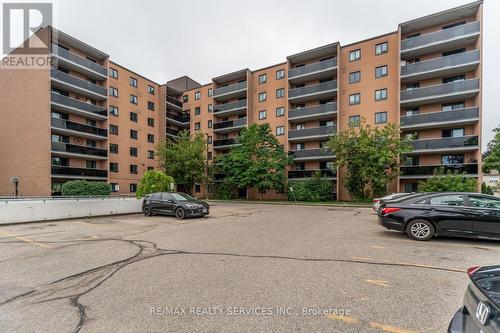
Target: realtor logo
{"type": "Point", "coordinates": [20, 22]}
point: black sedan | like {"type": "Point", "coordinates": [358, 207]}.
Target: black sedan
{"type": "Point", "coordinates": [426, 215]}
{"type": "Point", "coordinates": [481, 309]}
{"type": "Point", "coordinates": [178, 204]}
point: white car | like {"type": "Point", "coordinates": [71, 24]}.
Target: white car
{"type": "Point", "coordinates": [376, 202]}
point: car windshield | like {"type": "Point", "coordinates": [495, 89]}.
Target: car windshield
{"type": "Point", "coordinates": [181, 197]}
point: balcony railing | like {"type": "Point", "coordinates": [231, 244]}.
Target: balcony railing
{"type": "Point", "coordinates": [442, 63]}
{"type": "Point", "coordinates": [230, 123]}
{"type": "Point", "coordinates": [71, 103]}
{"type": "Point", "coordinates": [313, 89]}
{"type": "Point", "coordinates": [428, 170]}
{"type": "Point", "coordinates": [78, 172]}
{"type": "Point", "coordinates": [440, 117]}
{"type": "Point", "coordinates": [446, 143]}
{"type": "Point", "coordinates": [174, 132]}
{"type": "Point", "coordinates": [224, 142]}
{"type": "Point", "coordinates": [174, 101]}
{"type": "Point", "coordinates": [79, 84]}
{"type": "Point", "coordinates": [69, 125]}
{"type": "Point", "coordinates": [441, 36]}
{"type": "Point", "coordinates": [322, 131]}
{"type": "Point", "coordinates": [79, 61]}
{"type": "Point", "coordinates": [312, 68]}
{"type": "Point", "coordinates": [178, 118]}
{"type": "Point", "coordinates": [241, 104]}
{"type": "Point", "coordinates": [452, 88]}
{"type": "Point", "coordinates": [315, 153]}
{"type": "Point", "coordinates": [312, 111]}
{"type": "Point", "coordinates": [324, 173]}
{"type": "Point", "coordinates": [230, 89]}
{"type": "Point", "coordinates": [80, 150]}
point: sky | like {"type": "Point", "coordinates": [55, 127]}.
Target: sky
{"type": "Point", "coordinates": [163, 40]}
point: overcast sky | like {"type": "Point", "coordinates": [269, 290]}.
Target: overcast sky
{"type": "Point", "coordinates": [166, 39]}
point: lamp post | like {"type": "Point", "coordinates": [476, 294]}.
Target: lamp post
{"type": "Point", "coordinates": [15, 181]}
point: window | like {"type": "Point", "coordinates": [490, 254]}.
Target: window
{"type": "Point", "coordinates": [484, 202]}
{"type": "Point", "coordinates": [133, 99]}
{"type": "Point", "coordinates": [197, 95]}
{"type": "Point", "coordinates": [262, 115]}
{"type": "Point", "coordinates": [210, 108]}
{"type": "Point", "coordinates": [355, 55]}
{"type": "Point", "coordinates": [380, 117]}
{"type": "Point", "coordinates": [150, 168]}
{"type": "Point", "coordinates": [151, 154]}
{"type": "Point", "coordinates": [280, 74]}
{"type": "Point", "coordinates": [300, 126]}
{"type": "Point", "coordinates": [151, 138]}
{"type": "Point", "coordinates": [151, 122]}
{"type": "Point", "coordinates": [354, 99]}
{"type": "Point", "coordinates": [453, 133]}
{"type": "Point", "coordinates": [412, 111]}
{"type": "Point", "coordinates": [412, 160]}
{"type": "Point", "coordinates": [113, 110]}
{"type": "Point", "coordinates": [151, 90]}
{"type": "Point", "coordinates": [452, 159]}
{"type": "Point", "coordinates": [262, 78]}
{"type": "Point", "coordinates": [280, 130]}
{"type": "Point", "coordinates": [90, 164]}
{"type": "Point", "coordinates": [133, 168]}
{"type": "Point", "coordinates": [209, 156]}
{"type": "Point", "coordinates": [114, 187]}
{"type": "Point", "coordinates": [280, 112]}
{"type": "Point", "coordinates": [60, 138]}
{"type": "Point", "coordinates": [448, 200]}
{"type": "Point", "coordinates": [197, 188]}
{"type": "Point", "coordinates": [455, 78]}
{"type": "Point", "coordinates": [113, 167]}
{"type": "Point", "coordinates": [300, 146]}
{"type": "Point", "coordinates": [209, 124]}
{"type": "Point", "coordinates": [453, 25]}
{"type": "Point", "coordinates": [354, 77]}
{"type": "Point", "coordinates": [113, 92]}
{"type": "Point", "coordinates": [133, 188]}
{"type": "Point", "coordinates": [452, 52]}
{"type": "Point", "coordinates": [452, 106]}
{"type": "Point", "coordinates": [185, 98]}
{"type": "Point", "coordinates": [151, 106]}
{"type": "Point", "coordinates": [381, 48]}
{"type": "Point", "coordinates": [133, 117]}
{"type": "Point", "coordinates": [113, 129]}
{"type": "Point", "coordinates": [133, 134]}
{"type": "Point", "coordinates": [413, 85]}
{"type": "Point", "coordinates": [197, 126]}
{"type": "Point", "coordinates": [280, 93]}
{"type": "Point", "coordinates": [210, 92]}
{"type": "Point", "coordinates": [91, 122]}
{"type": "Point", "coordinates": [381, 71]}
{"type": "Point", "coordinates": [411, 187]}
{"type": "Point", "coordinates": [133, 82]}
{"type": "Point", "coordinates": [380, 94]}
{"type": "Point", "coordinates": [262, 96]}
{"type": "Point", "coordinates": [113, 148]}
{"type": "Point", "coordinates": [91, 143]}
{"type": "Point", "coordinates": [113, 73]}
{"type": "Point", "coordinates": [209, 140]}
{"type": "Point", "coordinates": [354, 121]}
{"type": "Point", "coordinates": [133, 151]}
{"type": "Point", "coordinates": [197, 110]}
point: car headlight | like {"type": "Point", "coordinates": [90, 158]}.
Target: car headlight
{"type": "Point", "coordinates": [190, 205]}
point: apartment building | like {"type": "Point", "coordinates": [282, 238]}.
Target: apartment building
{"type": "Point", "coordinates": [95, 119]}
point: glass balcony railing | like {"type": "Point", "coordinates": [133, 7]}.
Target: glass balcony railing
{"type": "Point", "coordinates": [312, 89]}
{"type": "Point", "coordinates": [312, 68]}
{"type": "Point", "coordinates": [174, 101]}
{"type": "Point", "coordinates": [71, 103]}
{"type": "Point", "coordinates": [318, 153]}
{"type": "Point", "coordinates": [428, 170]}
{"type": "Point", "coordinates": [224, 142]}
{"type": "Point", "coordinates": [79, 61]}
{"type": "Point", "coordinates": [58, 170]}
{"type": "Point", "coordinates": [322, 131]}
{"type": "Point", "coordinates": [444, 89]}
{"type": "Point", "coordinates": [312, 111]}
{"type": "Point", "coordinates": [230, 124]}
{"type": "Point", "coordinates": [232, 88]}
{"type": "Point", "coordinates": [69, 125]}
{"type": "Point", "coordinates": [80, 150]}
{"type": "Point", "coordinates": [228, 107]}
{"type": "Point", "coordinates": [79, 84]}
{"type": "Point", "coordinates": [324, 173]}
{"type": "Point", "coordinates": [446, 143]}
{"type": "Point", "coordinates": [437, 64]}
{"type": "Point", "coordinates": [440, 117]}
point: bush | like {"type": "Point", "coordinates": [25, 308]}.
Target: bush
{"type": "Point", "coordinates": [154, 181]}
{"type": "Point", "coordinates": [485, 189]}
{"type": "Point", "coordinates": [314, 189]}
{"type": "Point", "coordinates": [448, 182]}
{"type": "Point", "coordinates": [83, 187]}
{"type": "Point", "coordinates": [223, 192]}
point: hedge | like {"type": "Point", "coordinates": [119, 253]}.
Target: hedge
{"type": "Point", "coordinates": [313, 189]}
{"type": "Point", "coordinates": [83, 187]}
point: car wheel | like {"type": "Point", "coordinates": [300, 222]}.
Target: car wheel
{"type": "Point", "coordinates": [420, 230]}
{"type": "Point", "coordinates": [147, 211]}
{"type": "Point", "coordinates": [180, 213]}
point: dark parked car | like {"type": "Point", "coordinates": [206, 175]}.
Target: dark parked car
{"type": "Point", "coordinates": [178, 204]}
{"type": "Point", "coordinates": [426, 215]}
{"type": "Point", "coordinates": [481, 309]}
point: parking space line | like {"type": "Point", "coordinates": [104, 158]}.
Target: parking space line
{"type": "Point", "coordinates": [24, 239]}
{"type": "Point", "coordinates": [379, 282]}
{"type": "Point", "coordinates": [371, 324]}
{"type": "Point", "coordinates": [389, 328]}
{"type": "Point", "coordinates": [349, 320]}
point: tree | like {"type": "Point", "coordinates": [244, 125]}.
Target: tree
{"type": "Point", "coordinates": [184, 159]}
{"type": "Point", "coordinates": [449, 181]}
{"type": "Point", "coordinates": [153, 181]}
{"type": "Point", "coordinates": [83, 187]}
{"type": "Point", "coordinates": [257, 162]}
{"type": "Point", "coordinates": [370, 157]}
{"type": "Point", "coordinates": [491, 158]}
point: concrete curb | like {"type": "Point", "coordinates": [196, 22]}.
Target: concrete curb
{"type": "Point", "coordinates": [290, 203]}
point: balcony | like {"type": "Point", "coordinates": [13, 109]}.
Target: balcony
{"type": "Point", "coordinates": [65, 127]}
{"type": "Point", "coordinates": [174, 104]}
{"type": "Point", "coordinates": [230, 125]}
{"type": "Point", "coordinates": [453, 144]}
{"type": "Point", "coordinates": [224, 144]}
{"type": "Point", "coordinates": [322, 90]}
{"type": "Point", "coordinates": [78, 173]}
{"type": "Point", "coordinates": [439, 93]}
{"type": "Point", "coordinates": [314, 154]}
{"type": "Point", "coordinates": [219, 177]}
{"type": "Point", "coordinates": [235, 90]}
{"type": "Point", "coordinates": [464, 116]}
{"type": "Point", "coordinates": [232, 108]}
{"type": "Point", "coordinates": [439, 67]}
{"type": "Point", "coordinates": [69, 82]}
{"type": "Point", "coordinates": [317, 112]}
{"type": "Point", "coordinates": [178, 120]}
{"type": "Point", "coordinates": [313, 133]}
{"type": "Point", "coordinates": [174, 132]}
{"type": "Point", "coordinates": [76, 107]}
{"type": "Point", "coordinates": [302, 174]}
{"type": "Point", "coordinates": [70, 150]}
{"type": "Point", "coordinates": [69, 60]}
{"type": "Point", "coordinates": [447, 39]}
{"type": "Point", "coordinates": [425, 171]}
{"type": "Point", "coordinates": [317, 71]}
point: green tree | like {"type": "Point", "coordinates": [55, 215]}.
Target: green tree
{"type": "Point", "coordinates": [257, 162]}
{"type": "Point", "coordinates": [370, 157]}
{"type": "Point", "coordinates": [184, 159]}
{"type": "Point", "coordinates": [154, 181]}
{"type": "Point", "coordinates": [491, 158]}
{"type": "Point", "coordinates": [486, 189]}
{"type": "Point", "coordinates": [442, 181]}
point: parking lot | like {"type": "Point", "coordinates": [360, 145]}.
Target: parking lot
{"type": "Point", "coordinates": [246, 267]}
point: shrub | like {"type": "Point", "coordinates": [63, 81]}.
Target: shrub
{"type": "Point", "coordinates": [83, 187]}
{"type": "Point", "coordinates": [223, 192]}
{"type": "Point", "coordinates": [314, 189]}
{"type": "Point", "coordinates": [448, 182]}
{"type": "Point", "coordinates": [154, 181]}
{"type": "Point", "coordinates": [486, 189]}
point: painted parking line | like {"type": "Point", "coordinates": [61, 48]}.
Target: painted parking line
{"type": "Point", "coordinates": [24, 239]}
{"type": "Point", "coordinates": [378, 282]}
{"type": "Point", "coordinates": [389, 328]}
{"type": "Point", "coordinates": [371, 324]}
{"type": "Point", "coordinates": [345, 319]}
